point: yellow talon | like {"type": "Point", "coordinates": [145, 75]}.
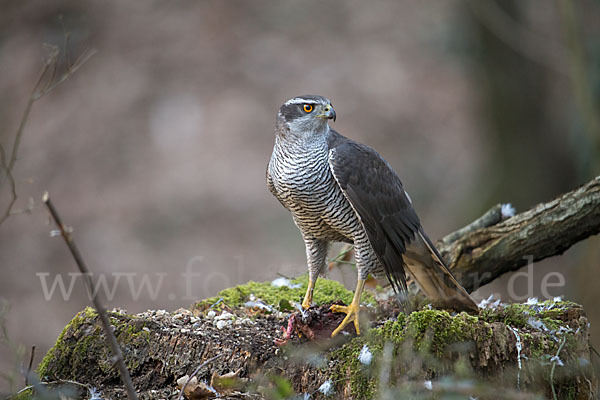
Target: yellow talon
{"type": "Point", "coordinates": [352, 311]}
{"type": "Point", "coordinates": [309, 295]}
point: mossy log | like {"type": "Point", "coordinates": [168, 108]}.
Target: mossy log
{"type": "Point", "coordinates": [268, 350]}
{"type": "Point", "coordinates": [493, 245]}
{"type": "Point", "coordinates": [527, 350]}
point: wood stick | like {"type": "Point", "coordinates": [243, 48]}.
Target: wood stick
{"type": "Point", "coordinates": [106, 326]}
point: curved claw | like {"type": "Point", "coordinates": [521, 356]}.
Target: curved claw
{"type": "Point", "coordinates": [352, 313]}
{"type": "Point", "coordinates": [309, 295]}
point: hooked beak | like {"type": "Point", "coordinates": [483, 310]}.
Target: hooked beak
{"type": "Point", "coordinates": [328, 112]}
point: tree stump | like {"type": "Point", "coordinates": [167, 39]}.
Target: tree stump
{"type": "Point", "coordinates": [269, 351]}
{"type": "Point", "coordinates": [525, 349]}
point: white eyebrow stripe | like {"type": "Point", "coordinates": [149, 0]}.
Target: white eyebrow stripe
{"type": "Point", "coordinates": [299, 100]}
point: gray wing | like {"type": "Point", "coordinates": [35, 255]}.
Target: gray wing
{"type": "Point", "coordinates": [376, 194]}
{"type": "Point", "coordinates": [392, 225]}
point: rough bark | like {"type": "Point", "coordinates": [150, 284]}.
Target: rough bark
{"type": "Point", "coordinates": [161, 347]}
{"type": "Point", "coordinates": [478, 257]}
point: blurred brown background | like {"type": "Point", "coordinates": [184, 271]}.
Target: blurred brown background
{"type": "Point", "coordinates": [155, 150]}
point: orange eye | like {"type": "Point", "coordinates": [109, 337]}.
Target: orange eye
{"type": "Point", "coordinates": [308, 108]}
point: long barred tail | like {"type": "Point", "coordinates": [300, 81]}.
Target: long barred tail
{"type": "Point", "coordinates": [429, 271]}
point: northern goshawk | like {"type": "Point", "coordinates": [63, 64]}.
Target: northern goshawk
{"type": "Point", "coordinates": [338, 190]}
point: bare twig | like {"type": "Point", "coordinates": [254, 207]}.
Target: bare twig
{"type": "Point", "coordinates": [110, 336]}
{"type": "Point", "coordinates": [11, 183]}
{"type": "Point", "coordinates": [342, 257]}
{"type": "Point", "coordinates": [336, 262]}
{"type": "Point", "coordinates": [31, 357]}
{"type": "Point", "coordinates": [45, 83]}
{"type": "Point", "coordinates": [17, 141]}
{"type": "Point", "coordinates": [562, 344]}
{"type": "Point", "coordinates": [82, 59]}
{"type": "Point", "coordinates": [39, 385]}
{"type": "Point", "coordinates": [204, 364]}
{"type": "Point", "coordinates": [284, 276]}
{"type": "Point", "coordinates": [66, 36]}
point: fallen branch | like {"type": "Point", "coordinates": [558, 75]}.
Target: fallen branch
{"type": "Point", "coordinates": [546, 230]}
{"type": "Point", "coordinates": [106, 326]}
{"type": "Point", "coordinates": [493, 245]}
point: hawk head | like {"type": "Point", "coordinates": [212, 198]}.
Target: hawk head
{"type": "Point", "coordinates": [306, 114]}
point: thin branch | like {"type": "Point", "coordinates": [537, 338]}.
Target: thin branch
{"type": "Point", "coordinates": [66, 36]}
{"type": "Point", "coordinates": [38, 385]}
{"type": "Point", "coordinates": [83, 58]}
{"type": "Point", "coordinates": [106, 326]}
{"type": "Point", "coordinates": [491, 217]}
{"type": "Point", "coordinates": [42, 87]}
{"type": "Point", "coordinates": [27, 210]}
{"type": "Point", "coordinates": [284, 276]}
{"type": "Point", "coordinates": [335, 262]}
{"type": "Point", "coordinates": [554, 366]}
{"type": "Point", "coordinates": [204, 364]}
{"type": "Point", "coordinates": [17, 141]}
{"type": "Point", "coordinates": [342, 257]}
{"type": "Point", "coordinates": [11, 183]}
{"type": "Point", "coordinates": [31, 357]}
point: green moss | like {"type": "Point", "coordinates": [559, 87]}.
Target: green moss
{"type": "Point", "coordinates": [348, 367]}
{"type": "Point", "coordinates": [438, 329]}
{"type": "Point", "coordinates": [326, 291]}
{"type": "Point", "coordinates": [132, 335]}
{"type": "Point", "coordinates": [394, 331]}
{"type": "Point", "coordinates": [83, 339]}
{"type": "Point", "coordinates": [60, 348]}
{"type": "Point", "coordinates": [420, 337]}
{"type": "Point", "coordinates": [432, 331]}
{"type": "Point", "coordinates": [517, 315]}
{"type": "Point", "coordinates": [435, 330]}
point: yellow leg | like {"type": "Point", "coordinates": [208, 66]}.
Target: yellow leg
{"type": "Point", "coordinates": [309, 295]}
{"type": "Point", "coordinates": [352, 311]}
